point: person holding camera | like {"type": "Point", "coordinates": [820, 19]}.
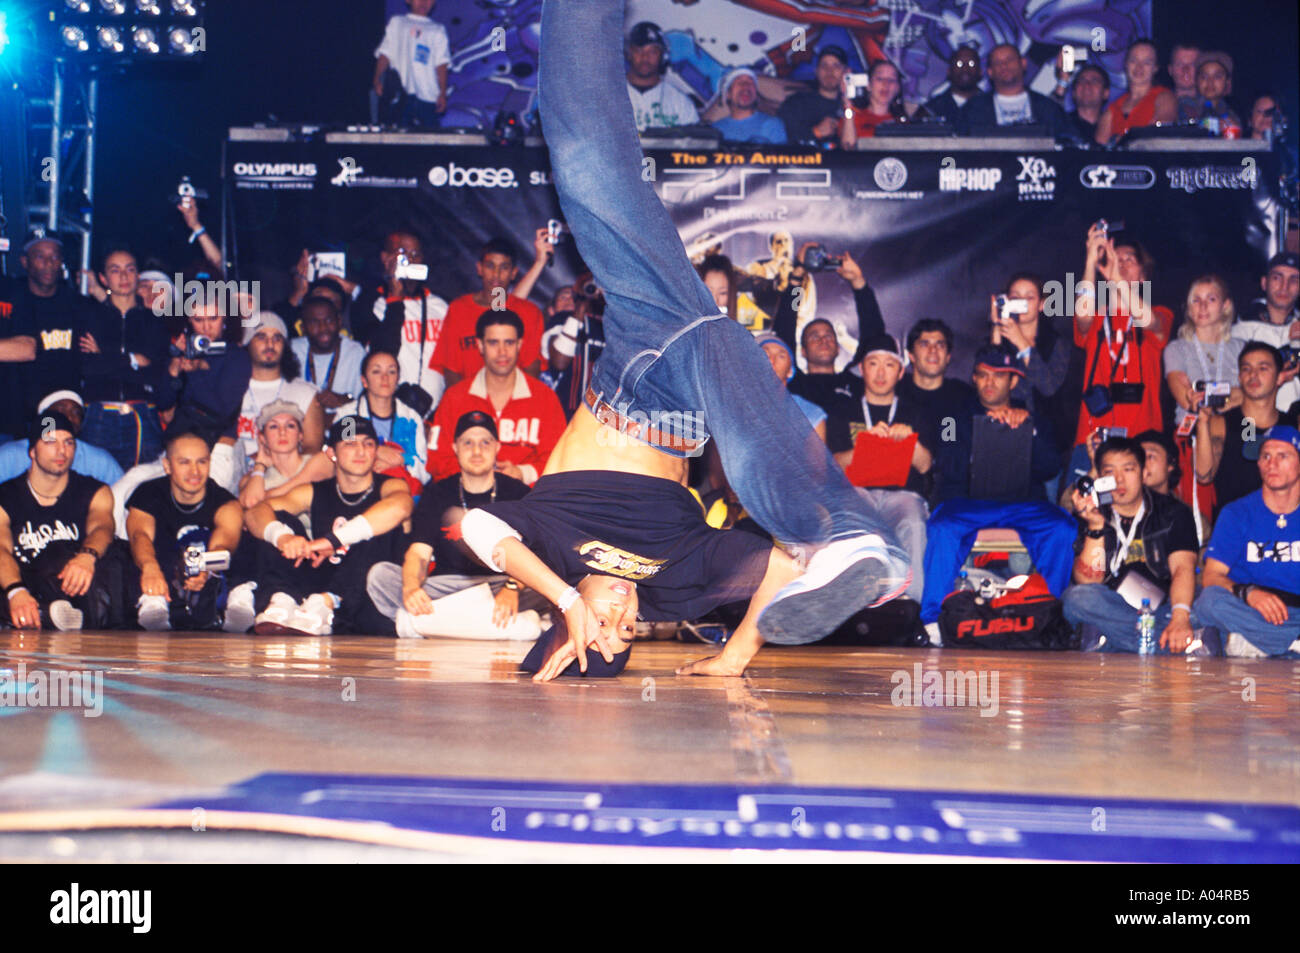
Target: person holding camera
{"type": "Point", "coordinates": [1143, 103]}
{"type": "Point", "coordinates": [1133, 545]}
{"type": "Point", "coordinates": [1043, 354]}
{"type": "Point", "coordinates": [405, 318]}
{"type": "Point", "coordinates": [816, 116]}
{"type": "Point", "coordinates": [177, 526]}
{"type": "Point", "coordinates": [1227, 446]}
{"type": "Point", "coordinates": [1275, 319]}
{"type": "Point", "coordinates": [1251, 588]}
{"type": "Point", "coordinates": [884, 103]}
{"type": "Point", "coordinates": [209, 373]}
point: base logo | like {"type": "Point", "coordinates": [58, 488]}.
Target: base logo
{"type": "Point", "coordinates": [1036, 180]}
{"type": "Point", "coordinates": [486, 177]}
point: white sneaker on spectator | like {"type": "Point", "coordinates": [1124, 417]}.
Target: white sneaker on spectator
{"type": "Point", "coordinates": [65, 616]}
{"type": "Point", "coordinates": [405, 625]}
{"type": "Point", "coordinates": [153, 613]}
{"type": "Point", "coordinates": [842, 577]}
{"type": "Point", "coordinates": [1238, 647]}
{"type": "Point", "coordinates": [240, 613]}
{"type": "Point", "coordinates": [315, 616]}
{"type": "Point", "coordinates": [275, 618]}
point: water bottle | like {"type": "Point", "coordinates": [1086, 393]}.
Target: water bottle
{"type": "Point", "coordinates": [1146, 630]}
{"type": "Point", "coordinates": [963, 582]}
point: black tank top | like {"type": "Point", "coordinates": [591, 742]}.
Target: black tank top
{"type": "Point", "coordinates": [34, 527]}
{"type": "Point", "coordinates": [330, 509]}
{"type": "Point", "coordinates": [1238, 473]}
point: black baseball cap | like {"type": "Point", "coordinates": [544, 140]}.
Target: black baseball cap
{"type": "Point", "coordinates": [48, 421]}
{"type": "Point", "coordinates": [830, 49]}
{"type": "Point", "coordinates": [997, 359]}
{"type": "Point", "coordinates": [646, 33]}
{"type": "Point", "coordinates": [475, 418]}
{"type": "Point", "coordinates": [1288, 259]}
{"type": "Point", "coordinates": [41, 234]}
{"type": "Point", "coordinates": [350, 428]}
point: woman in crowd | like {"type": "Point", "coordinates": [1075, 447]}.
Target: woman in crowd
{"type": "Point", "coordinates": [402, 449]}
{"type": "Point", "coordinates": [1044, 354]}
{"type": "Point", "coordinates": [883, 104]}
{"type": "Point", "coordinates": [281, 463]}
{"type": "Point", "coordinates": [1144, 103]}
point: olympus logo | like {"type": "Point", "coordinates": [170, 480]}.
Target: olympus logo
{"type": "Point", "coordinates": [277, 170]}
{"type": "Point", "coordinates": [475, 178]}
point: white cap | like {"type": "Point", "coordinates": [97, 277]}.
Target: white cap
{"type": "Point", "coordinates": [264, 319]}
{"type": "Point", "coordinates": [51, 399]}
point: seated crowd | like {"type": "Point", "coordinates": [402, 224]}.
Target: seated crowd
{"type": "Point", "coordinates": [303, 469]}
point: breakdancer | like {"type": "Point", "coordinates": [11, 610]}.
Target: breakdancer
{"type": "Point", "coordinates": [610, 530]}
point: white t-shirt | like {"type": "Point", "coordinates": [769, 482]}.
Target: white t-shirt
{"type": "Point", "coordinates": [1012, 109]}
{"type": "Point", "coordinates": [416, 47]}
{"type": "Point", "coordinates": [347, 376]}
{"type": "Point", "coordinates": [261, 393]}
{"type": "Point", "coordinates": [662, 105]}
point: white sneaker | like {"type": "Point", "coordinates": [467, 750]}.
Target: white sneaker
{"type": "Point", "coordinates": [315, 616]}
{"type": "Point", "coordinates": [406, 625]}
{"type": "Point", "coordinates": [1238, 647]}
{"type": "Point", "coordinates": [240, 614]}
{"type": "Point", "coordinates": [153, 613]}
{"type": "Point", "coordinates": [841, 578]}
{"type": "Point", "coordinates": [65, 616]}
{"type": "Point", "coordinates": [275, 619]}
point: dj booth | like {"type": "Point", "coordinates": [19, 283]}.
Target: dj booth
{"type": "Point", "coordinates": [937, 224]}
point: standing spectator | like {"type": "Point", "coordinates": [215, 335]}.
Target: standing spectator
{"type": "Point", "coordinates": [963, 83]}
{"type": "Point", "coordinates": [17, 350]}
{"type": "Point", "coordinates": [1141, 532]}
{"type": "Point", "coordinates": [744, 122]}
{"type": "Point", "coordinates": [1251, 590]}
{"type": "Point", "coordinates": [527, 413]}
{"type": "Point", "coordinates": [816, 116]}
{"type": "Point", "coordinates": [398, 428]}
{"type": "Point", "coordinates": [1227, 450]}
{"type": "Point", "coordinates": [1213, 84]}
{"type": "Point", "coordinates": [656, 103]}
{"type": "Point", "coordinates": [54, 315]}
{"type": "Point", "coordinates": [404, 318]}
{"type": "Point", "coordinates": [1182, 70]}
{"type": "Point", "coordinates": [457, 355]}
{"type": "Point", "coordinates": [1043, 354]}
{"type": "Point", "coordinates": [1143, 103]}
{"type": "Point", "coordinates": [1122, 345]}
{"type": "Point", "coordinates": [883, 103]}
{"type": "Point", "coordinates": [415, 47]}
{"type": "Point", "coordinates": [125, 357]}
{"type": "Point", "coordinates": [1010, 103]}
{"type": "Point", "coordinates": [329, 361]}
{"type": "Point", "coordinates": [1275, 318]}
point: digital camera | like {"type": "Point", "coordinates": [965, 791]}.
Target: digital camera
{"type": "Point", "coordinates": [816, 259]}
{"type": "Point", "coordinates": [408, 270]}
{"type": "Point", "coordinates": [197, 560]}
{"type": "Point", "coordinates": [1216, 393]}
{"type": "Point", "coordinates": [1102, 489]}
{"type": "Point", "coordinates": [1108, 227]}
{"type": "Point", "coordinates": [1008, 306]}
{"type": "Point", "coordinates": [199, 345]}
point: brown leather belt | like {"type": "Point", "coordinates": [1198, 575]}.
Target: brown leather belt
{"type": "Point", "coordinates": [610, 417]}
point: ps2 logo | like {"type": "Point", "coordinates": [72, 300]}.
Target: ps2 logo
{"type": "Point", "coordinates": [810, 185]}
{"type": "Point", "coordinates": [1117, 177]}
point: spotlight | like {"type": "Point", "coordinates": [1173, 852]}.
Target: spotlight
{"type": "Point", "coordinates": [114, 7]}
{"type": "Point", "coordinates": [181, 41]}
{"type": "Point", "coordinates": [78, 6]}
{"type": "Point", "coordinates": [110, 39]}
{"type": "Point", "coordinates": [148, 7]}
{"type": "Point", "coordinates": [146, 40]}
{"type": "Point", "coordinates": [74, 37]}
{"type": "Point", "coordinates": [184, 8]}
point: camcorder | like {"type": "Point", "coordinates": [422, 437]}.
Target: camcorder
{"type": "Point", "coordinates": [1216, 393]}
{"type": "Point", "coordinates": [408, 270]}
{"type": "Point", "coordinates": [198, 346]}
{"type": "Point", "coordinates": [816, 259]}
{"type": "Point", "coordinates": [555, 232]}
{"type": "Point", "coordinates": [1105, 433]}
{"type": "Point", "coordinates": [1108, 227]}
{"type": "Point", "coordinates": [186, 193]}
{"type": "Point", "coordinates": [1009, 306]}
{"type": "Point", "coordinates": [856, 85]}
{"type": "Point", "coordinates": [197, 560]}
{"type": "Point", "coordinates": [1072, 57]}
{"type": "Point", "coordinates": [1290, 356]}
{"type": "Point", "coordinates": [1102, 489]}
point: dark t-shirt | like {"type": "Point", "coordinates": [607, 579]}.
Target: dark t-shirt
{"type": "Point", "coordinates": [842, 432]}
{"type": "Point", "coordinates": [439, 503]}
{"type": "Point", "coordinates": [13, 374]}
{"type": "Point", "coordinates": [1238, 473]}
{"type": "Point", "coordinates": [1167, 527]}
{"type": "Point", "coordinates": [35, 527]}
{"type": "Point", "coordinates": [955, 399]}
{"type": "Point", "coordinates": [804, 110]}
{"type": "Point", "coordinates": [57, 323]}
{"type": "Point", "coordinates": [645, 529]}
{"type": "Point", "coordinates": [834, 393]}
{"type": "Point", "coordinates": [177, 527]}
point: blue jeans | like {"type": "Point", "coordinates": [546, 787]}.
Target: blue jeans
{"type": "Point", "coordinates": [1218, 607]}
{"type": "Point", "coordinates": [669, 353]}
{"type": "Point", "coordinates": [1103, 607]}
{"type": "Point", "coordinates": [1047, 532]}
{"type": "Point", "coordinates": [131, 438]}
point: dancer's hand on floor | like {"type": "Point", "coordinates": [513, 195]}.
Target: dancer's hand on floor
{"type": "Point", "coordinates": [505, 608]}
{"type": "Point", "coordinates": [713, 665]}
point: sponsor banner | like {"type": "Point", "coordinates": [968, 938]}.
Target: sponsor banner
{"type": "Point", "coordinates": [935, 234]}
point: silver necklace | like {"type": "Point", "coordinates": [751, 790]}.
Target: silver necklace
{"type": "Point", "coordinates": [193, 509]}
{"type": "Point", "coordinates": [460, 483]}
{"type": "Point", "coordinates": [42, 496]}
{"type": "Point", "coordinates": [345, 501]}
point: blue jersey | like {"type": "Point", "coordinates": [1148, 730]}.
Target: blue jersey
{"type": "Point", "coordinates": [1256, 550]}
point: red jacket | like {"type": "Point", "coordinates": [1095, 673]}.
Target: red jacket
{"type": "Point", "coordinates": [529, 426]}
{"type": "Point", "coordinates": [457, 350]}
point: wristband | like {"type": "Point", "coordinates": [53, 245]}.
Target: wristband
{"type": "Point", "coordinates": [16, 587]}
{"type": "Point", "coordinates": [89, 552]}
{"type": "Point", "coordinates": [333, 540]}
{"type": "Point", "coordinates": [1024, 353]}
{"type": "Point", "coordinates": [194, 235]}
{"type": "Point", "coordinates": [512, 585]}
{"type": "Point", "coordinates": [1181, 605]}
{"type": "Point", "coordinates": [276, 531]}
{"type": "Point", "coordinates": [1241, 590]}
{"type": "Point", "coordinates": [355, 530]}
{"type": "Point", "coordinates": [1095, 533]}
{"type": "Point", "coordinates": [567, 599]}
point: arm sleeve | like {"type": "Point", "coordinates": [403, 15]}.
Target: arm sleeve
{"type": "Point", "coordinates": [445, 355]}
{"type": "Point", "coordinates": [1182, 534]}
{"type": "Point", "coordinates": [388, 45]}
{"type": "Point", "coordinates": [870, 321]}
{"type": "Point", "coordinates": [1175, 358]}
{"type": "Point", "coordinates": [441, 50]}
{"type": "Point", "coordinates": [481, 532]}
{"type": "Point", "coordinates": [786, 319]}
{"type": "Point", "coordinates": [531, 348]}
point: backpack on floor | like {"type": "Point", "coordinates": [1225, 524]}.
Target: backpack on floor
{"type": "Point", "coordinates": [1026, 618]}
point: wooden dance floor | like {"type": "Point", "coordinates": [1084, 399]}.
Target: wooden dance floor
{"type": "Point", "coordinates": [438, 749]}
